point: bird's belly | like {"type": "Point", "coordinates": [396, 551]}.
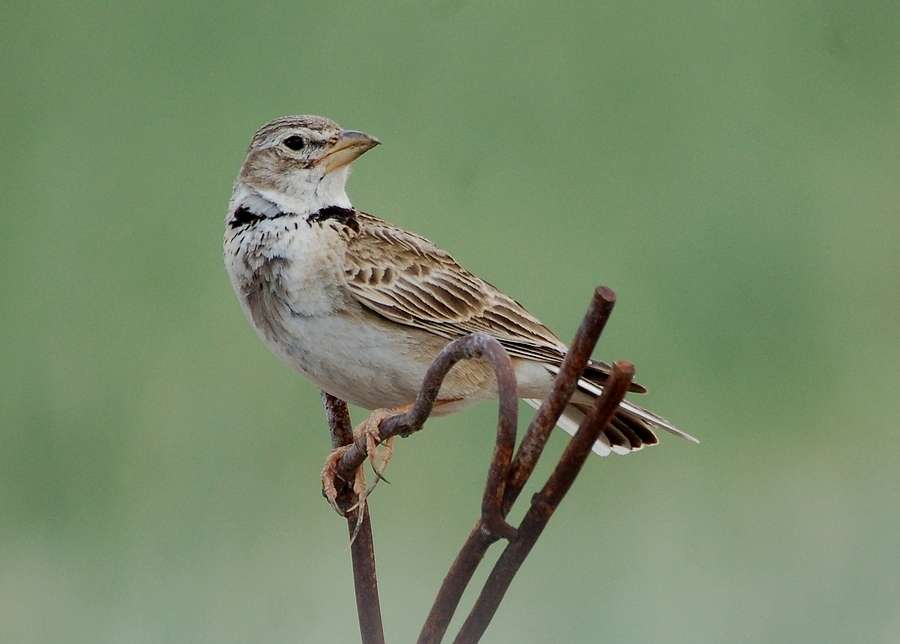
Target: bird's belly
{"type": "Point", "coordinates": [373, 363]}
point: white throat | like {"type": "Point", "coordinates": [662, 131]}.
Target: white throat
{"type": "Point", "coordinates": [304, 194]}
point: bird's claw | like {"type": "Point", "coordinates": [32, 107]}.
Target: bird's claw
{"type": "Point", "coordinates": [369, 429]}
{"type": "Point", "coordinates": [330, 486]}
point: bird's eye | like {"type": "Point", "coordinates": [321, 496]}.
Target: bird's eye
{"type": "Point", "coordinates": [295, 142]}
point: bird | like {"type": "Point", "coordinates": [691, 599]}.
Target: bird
{"type": "Point", "coordinates": [360, 307]}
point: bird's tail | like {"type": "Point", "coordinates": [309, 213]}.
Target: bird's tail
{"type": "Point", "coordinates": [629, 431]}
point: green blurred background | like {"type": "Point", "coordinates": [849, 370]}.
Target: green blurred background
{"type": "Point", "coordinates": [732, 171]}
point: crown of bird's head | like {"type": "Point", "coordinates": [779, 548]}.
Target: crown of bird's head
{"type": "Point", "coordinates": [301, 162]}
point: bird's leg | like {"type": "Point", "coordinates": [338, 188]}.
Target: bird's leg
{"type": "Point", "coordinates": [368, 431]}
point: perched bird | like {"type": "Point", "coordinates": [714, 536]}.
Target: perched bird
{"type": "Point", "coordinates": [361, 307]}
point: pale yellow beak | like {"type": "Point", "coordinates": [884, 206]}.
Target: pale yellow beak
{"type": "Point", "coordinates": [347, 148]}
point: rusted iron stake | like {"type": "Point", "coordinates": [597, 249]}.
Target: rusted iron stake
{"type": "Point", "coordinates": [362, 548]}
{"type": "Point", "coordinates": [544, 504]}
{"type": "Point", "coordinates": [479, 540]}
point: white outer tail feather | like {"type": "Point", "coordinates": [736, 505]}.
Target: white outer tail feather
{"type": "Point", "coordinates": [570, 421]}
{"type": "Point", "coordinates": [634, 410]}
{"type": "Point", "coordinates": [572, 417]}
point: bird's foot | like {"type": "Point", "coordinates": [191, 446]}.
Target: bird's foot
{"type": "Point", "coordinates": [369, 429]}
{"type": "Point", "coordinates": [331, 482]}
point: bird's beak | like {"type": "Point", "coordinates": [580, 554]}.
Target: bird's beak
{"type": "Point", "coordinates": [348, 147]}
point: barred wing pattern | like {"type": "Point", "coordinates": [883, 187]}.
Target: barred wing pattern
{"type": "Point", "coordinates": [409, 280]}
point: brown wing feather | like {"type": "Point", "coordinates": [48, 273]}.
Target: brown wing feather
{"type": "Point", "coordinates": [409, 280]}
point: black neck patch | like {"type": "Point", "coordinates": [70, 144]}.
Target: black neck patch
{"type": "Point", "coordinates": [346, 216]}
{"type": "Point", "coordinates": [243, 217]}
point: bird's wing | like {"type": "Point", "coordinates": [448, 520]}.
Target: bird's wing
{"type": "Point", "coordinates": [409, 280]}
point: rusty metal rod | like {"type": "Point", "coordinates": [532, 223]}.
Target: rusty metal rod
{"type": "Point", "coordinates": [492, 516]}
{"type": "Point", "coordinates": [362, 548]}
{"type": "Point", "coordinates": [544, 504]}
{"type": "Point", "coordinates": [455, 583]}
{"type": "Point", "coordinates": [564, 385]}
{"type": "Point", "coordinates": [480, 539]}
{"type": "Point", "coordinates": [365, 581]}
{"type": "Point", "coordinates": [338, 417]}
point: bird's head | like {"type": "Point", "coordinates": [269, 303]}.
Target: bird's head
{"type": "Point", "coordinates": [301, 163]}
